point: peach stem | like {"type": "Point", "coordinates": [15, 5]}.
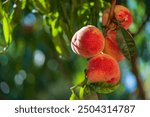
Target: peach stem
{"type": "Point", "coordinates": [111, 14]}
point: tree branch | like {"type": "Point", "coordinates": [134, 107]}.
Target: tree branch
{"type": "Point", "coordinates": [134, 63]}
{"type": "Point", "coordinates": [138, 79]}
{"type": "Point", "coordinates": [142, 26]}
{"type": "Point", "coordinates": [111, 14]}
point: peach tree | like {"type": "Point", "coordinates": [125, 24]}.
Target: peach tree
{"type": "Point", "coordinates": [96, 30]}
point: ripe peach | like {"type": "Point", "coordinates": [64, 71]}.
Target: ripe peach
{"type": "Point", "coordinates": [103, 68]}
{"type": "Point", "coordinates": [111, 46]}
{"type": "Point", "coordinates": [121, 14]}
{"type": "Point", "coordinates": [88, 41]}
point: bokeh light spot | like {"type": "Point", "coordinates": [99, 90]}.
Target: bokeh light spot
{"type": "Point", "coordinates": [39, 58]}
{"type": "Point", "coordinates": [4, 87]}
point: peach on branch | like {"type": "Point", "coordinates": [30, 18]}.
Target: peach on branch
{"type": "Point", "coordinates": [103, 68]}
{"type": "Point", "coordinates": [88, 41]}
{"type": "Point", "coordinates": [111, 46]}
{"type": "Point", "coordinates": [121, 14]}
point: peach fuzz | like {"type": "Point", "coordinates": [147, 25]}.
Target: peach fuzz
{"type": "Point", "coordinates": [121, 14]}
{"type": "Point", "coordinates": [111, 46]}
{"type": "Point", "coordinates": [88, 41]}
{"type": "Point", "coordinates": [103, 68]}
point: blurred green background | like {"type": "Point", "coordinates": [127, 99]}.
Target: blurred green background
{"type": "Point", "coordinates": [39, 62]}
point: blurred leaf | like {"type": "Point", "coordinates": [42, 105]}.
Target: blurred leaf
{"type": "Point", "coordinates": [7, 30]}
{"type": "Point", "coordinates": [82, 91]}
{"type": "Point", "coordinates": [147, 2]}
{"type": "Point", "coordinates": [7, 5]}
{"type": "Point", "coordinates": [87, 94]}
{"type": "Point", "coordinates": [23, 4]}
{"type": "Point", "coordinates": [66, 29]}
{"type": "Point", "coordinates": [16, 13]}
{"type": "Point", "coordinates": [57, 34]}
{"type": "Point", "coordinates": [103, 87]}
{"type": "Point", "coordinates": [42, 5]}
{"type": "Point", "coordinates": [126, 43]}
{"type": "Point", "coordinates": [102, 3]}
{"type": "Point", "coordinates": [73, 97]}
{"type": "Point", "coordinates": [1, 11]}
{"type": "Point", "coordinates": [75, 93]}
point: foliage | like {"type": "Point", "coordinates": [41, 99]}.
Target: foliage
{"type": "Point", "coordinates": [126, 43]}
{"type": "Point", "coordinates": [36, 61]}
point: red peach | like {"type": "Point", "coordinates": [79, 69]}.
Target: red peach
{"type": "Point", "coordinates": [88, 41]}
{"type": "Point", "coordinates": [121, 14]}
{"type": "Point", "coordinates": [103, 68]}
{"type": "Point", "coordinates": [111, 46]}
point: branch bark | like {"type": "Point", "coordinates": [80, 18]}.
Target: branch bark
{"type": "Point", "coordinates": [142, 26]}
{"type": "Point", "coordinates": [111, 14]}
{"type": "Point", "coordinates": [134, 63]}
{"type": "Point", "coordinates": [138, 79]}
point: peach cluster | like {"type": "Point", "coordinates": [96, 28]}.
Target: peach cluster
{"type": "Point", "coordinates": [103, 52]}
{"type": "Point", "coordinates": [122, 15]}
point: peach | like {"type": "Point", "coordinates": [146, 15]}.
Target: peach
{"type": "Point", "coordinates": [111, 46]}
{"type": "Point", "coordinates": [88, 41]}
{"type": "Point", "coordinates": [121, 14]}
{"type": "Point", "coordinates": [103, 68]}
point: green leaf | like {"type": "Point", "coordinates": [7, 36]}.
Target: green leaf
{"type": "Point", "coordinates": [82, 91]}
{"type": "Point", "coordinates": [1, 11]}
{"type": "Point", "coordinates": [74, 96]}
{"type": "Point", "coordinates": [42, 5]}
{"type": "Point", "coordinates": [102, 3]}
{"type": "Point", "coordinates": [87, 94]}
{"type": "Point", "coordinates": [103, 87]}
{"type": "Point", "coordinates": [57, 32]}
{"type": "Point", "coordinates": [6, 6]}
{"type": "Point", "coordinates": [75, 93]}
{"type": "Point", "coordinates": [23, 4]}
{"type": "Point", "coordinates": [17, 11]}
{"type": "Point", "coordinates": [126, 43]}
{"type": "Point", "coordinates": [7, 29]}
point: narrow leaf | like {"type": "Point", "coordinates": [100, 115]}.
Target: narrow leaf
{"type": "Point", "coordinates": [75, 93]}
{"type": "Point", "coordinates": [7, 29]}
{"type": "Point", "coordinates": [74, 96]}
{"type": "Point", "coordinates": [7, 6]}
{"type": "Point", "coordinates": [126, 43]}
{"type": "Point", "coordinates": [57, 35]}
{"type": "Point", "coordinates": [42, 5]}
{"type": "Point", "coordinates": [23, 4]}
{"type": "Point", "coordinates": [1, 11]}
{"type": "Point", "coordinates": [16, 13]}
